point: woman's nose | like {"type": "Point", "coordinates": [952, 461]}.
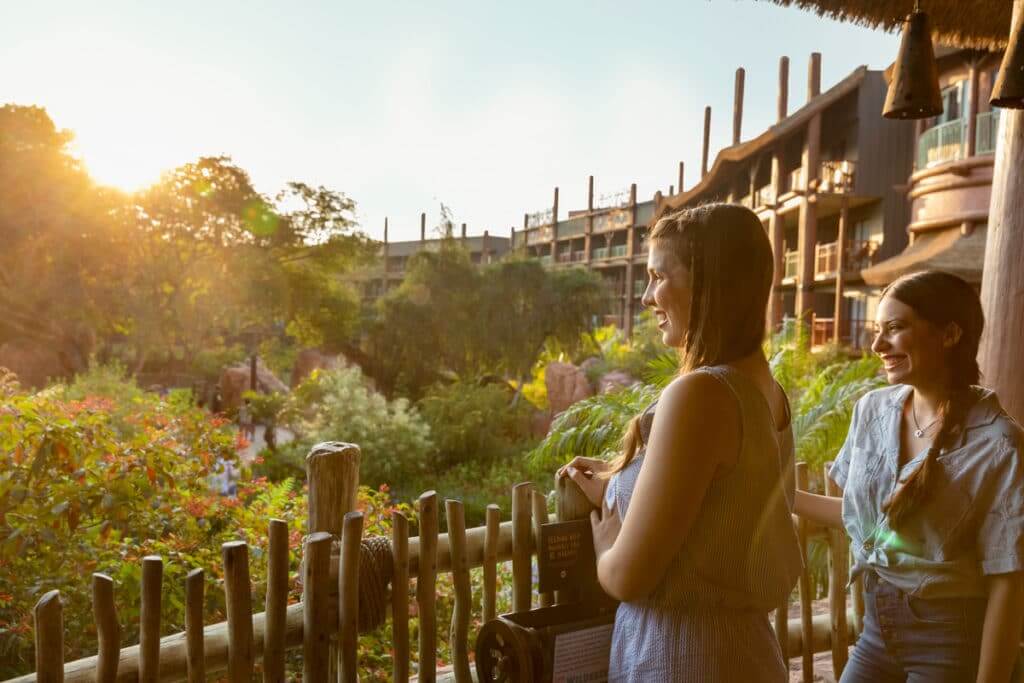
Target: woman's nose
{"type": "Point", "coordinates": [880, 343]}
{"type": "Point", "coordinates": [648, 298]}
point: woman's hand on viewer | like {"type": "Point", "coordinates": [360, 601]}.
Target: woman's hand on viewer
{"type": "Point", "coordinates": [585, 471]}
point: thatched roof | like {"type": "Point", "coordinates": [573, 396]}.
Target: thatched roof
{"type": "Point", "coordinates": [983, 24]}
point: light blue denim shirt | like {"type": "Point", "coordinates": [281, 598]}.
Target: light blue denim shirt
{"type": "Point", "coordinates": [971, 521]}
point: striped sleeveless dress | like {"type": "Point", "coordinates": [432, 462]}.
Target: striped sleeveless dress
{"type": "Point", "coordinates": [708, 618]}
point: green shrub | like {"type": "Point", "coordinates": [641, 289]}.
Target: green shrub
{"type": "Point", "coordinates": [471, 422]}
{"type": "Point", "coordinates": [337, 405]}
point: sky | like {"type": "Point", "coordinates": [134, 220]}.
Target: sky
{"type": "Point", "coordinates": [482, 106]}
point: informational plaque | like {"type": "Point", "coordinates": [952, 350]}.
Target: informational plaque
{"type": "Point", "coordinates": [582, 656]}
{"type": "Point", "coordinates": [566, 557]}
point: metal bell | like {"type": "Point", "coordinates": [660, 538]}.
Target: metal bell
{"type": "Point", "coordinates": [914, 89]}
{"type": "Point", "coordinates": [1008, 91]}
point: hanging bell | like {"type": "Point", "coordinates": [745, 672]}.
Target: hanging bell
{"type": "Point", "coordinates": [914, 89]}
{"type": "Point", "coordinates": [1008, 91]}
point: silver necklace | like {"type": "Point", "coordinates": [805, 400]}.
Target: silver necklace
{"type": "Point", "coordinates": [919, 430]}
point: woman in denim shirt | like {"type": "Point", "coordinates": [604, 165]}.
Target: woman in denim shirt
{"type": "Point", "coordinates": [933, 498]}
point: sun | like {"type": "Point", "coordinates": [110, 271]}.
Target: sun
{"type": "Point", "coordinates": [116, 162]}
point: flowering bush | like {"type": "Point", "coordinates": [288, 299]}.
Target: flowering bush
{"type": "Point", "coordinates": [78, 495]}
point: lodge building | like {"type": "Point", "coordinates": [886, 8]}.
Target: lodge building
{"type": "Point", "coordinates": [850, 200]}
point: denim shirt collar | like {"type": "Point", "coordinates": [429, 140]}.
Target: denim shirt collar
{"type": "Point", "coordinates": [983, 412]}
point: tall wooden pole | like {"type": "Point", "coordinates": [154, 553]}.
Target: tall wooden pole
{"type": "Point", "coordinates": [837, 318]}
{"type": "Point", "coordinates": [776, 223]}
{"type": "Point", "coordinates": [737, 106]}
{"type": "Point", "coordinates": [807, 238]}
{"type": "Point", "coordinates": [783, 99]}
{"type": "Point", "coordinates": [707, 142]}
{"type": "Point", "coordinates": [1002, 284]}
{"type": "Point", "coordinates": [680, 185]}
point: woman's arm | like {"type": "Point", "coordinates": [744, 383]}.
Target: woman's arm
{"type": "Point", "coordinates": [1000, 636]}
{"type": "Point", "coordinates": [696, 428]}
{"type": "Point", "coordinates": [824, 510]}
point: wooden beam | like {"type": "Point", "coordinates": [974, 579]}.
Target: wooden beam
{"type": "Point", "coordinates": [707, 142]}
{"type": "Point", "coordinates": [737, 106]}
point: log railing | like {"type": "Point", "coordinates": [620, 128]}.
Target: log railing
{"type": "Point", "coordinates": [325, 623]}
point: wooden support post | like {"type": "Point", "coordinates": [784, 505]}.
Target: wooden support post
{"type": "Point", "coordinates": [737, 106]}
{"type": "Point", "coordinates": [814, 76]}
{"type": "Point", "coordinates": [707, 143]}
{"type": "Point", "coordinates": [1002, 285]}
{"type": "Point", "coordinates": [806, 597]}
{"type": "Point", "coordinates": [490, 565]}
{"type": "Point", "coordinates": [49, 627]}
{"type": "Point", "coordinates": [459, 634]}
{"type": "Point", "coordinates": [400, 594]}
{"type": "Point", "coordinates": [423, 228]}
{"type": "Point", "coordinates": [783, 97]}
{"type": "Point", "coordinates": [195, 654]}
{"type": "Point", "coordinates": [522, 505]}
{"type": "Point", "coordinates": [838, 316]}
{"type": "Point", "coordinates": [276, 602]}
{"type": "Point", "coordinates": [108, 629]}
{"type": "Point", "coordinates": [348, 598]}
{"type": "Point", "coordinates": [807, 238]}
{"type": "Point", "coordinates": [332, 470]}
{"type": "Point", "coordinates": [238, 601]}
{"type": "Point", "coordinates": [149, 619]}
{"type": "Point", "coordinates": [839, 570]}
{"type": "Point", "coordinates": [540, 516]}
{"type": "Point", "coordinates": [426, 587]}
{"type": "Point", "coordinates": [316, 590]}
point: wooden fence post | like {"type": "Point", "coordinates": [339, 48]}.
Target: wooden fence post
{"type": "Point", "coordinates": [459, 633]}
{"type": "Point", "coordinates": [571, 504]}
{"type": "Point", "coordinates": [806, 617]}
{"type": "Point", "coordinates": [108, 630]}
{"type": "Point", "coordinates": [238, 600]}
{"type": "Point", "coordinates": [49, 626]}
{"type": "Point", "coordinates": [316, 632]}
{"type": "Point", "coordinates": [348, 598]}
{"type": "Point", "coordinates": [522, 507]}
{"type": "Point", "coordinates": [400, 594]}
{"type": "Point", "coordinates": [332, 470]}
{"type": "Point", "coordinates": [426, 587]}
{"type": "Point", "coordinates": [540, 517]}
{"type": "Point", "coordinates": [149, 619]}
{"type": "Point", "coordinates": [276, 602]}
{"type": "Point", "coordinates": [839, 571]}
{"type": "Point", "coordinates": [195, 646]}
{"type": "Point", "coordinates": [490, 567]}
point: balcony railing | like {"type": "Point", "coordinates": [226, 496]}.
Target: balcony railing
{"type": "Point", "coordinates": [571, 227]}
{"type": "Point", "coordinates": [792, 265]}
{"type": "Point", "coordinates": [764, 196]}
{"type": "Point", "coordinates": [600, 253]}
{"type": "Point", "coordinates": [539, 236]}
{"type": "Point", "coordinates": [638, 287]}
{"type": "Point", "coordinates": [579, 255]}
{"type": "Point", "coordinates": [539, 218]}
{"type": "Point", "coordinates": [940, 144]}
{"type": "Point", "coordinates": [836, 176]}
{"type": "Point", "coordinates": [618, 251]}
{"type": "Point", "coordinates": [822, 331]}
{"type": "Point", "coordinates": [795, 180]}
{"type": "Point", "coordinates": [564, 256]}
{"type": "Point", "coordinates": [986, 129]}
{"type": "Point", "coordinates": [859, 254]}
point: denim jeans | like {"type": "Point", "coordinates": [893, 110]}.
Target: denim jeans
{"type": "Point", "coordinates": [916, 640]}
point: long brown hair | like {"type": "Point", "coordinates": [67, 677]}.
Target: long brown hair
{"type": "Point", "coordinates": [940, 299]}
{"type": "Point", "coordinates": [726, 250]}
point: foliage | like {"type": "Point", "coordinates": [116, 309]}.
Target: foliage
{"type": "Point", "coordinates": [179, 275]}
{"type": "Point", "coordinates": [78, 495]}
{"type": "Point", "coordinates": [470, 421]}
{"type": "Point", "coordinates": [336, 405]}
{"type": "Point", "coordinates": [449, 316]}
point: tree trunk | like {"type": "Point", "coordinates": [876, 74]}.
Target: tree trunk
{"type": "Point", "coordinates": [1002, 287]}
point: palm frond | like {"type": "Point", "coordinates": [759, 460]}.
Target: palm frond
{"type": "Point", "coordinates": [592, 427]}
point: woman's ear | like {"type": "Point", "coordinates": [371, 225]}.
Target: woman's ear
{"type": "Point", "coordinates": [951, 335]}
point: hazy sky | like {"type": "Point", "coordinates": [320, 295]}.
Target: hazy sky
{"type": "Point", "coordinates": [484, 106]}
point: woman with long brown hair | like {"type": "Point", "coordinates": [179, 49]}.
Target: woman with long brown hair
{"type": "Point", "coordinates": [933, 498]}
{"type": "Point", "coordinates": [695, 536]}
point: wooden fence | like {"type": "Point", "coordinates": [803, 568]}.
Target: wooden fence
{"type": "Point", "coordinates": [325, 623]}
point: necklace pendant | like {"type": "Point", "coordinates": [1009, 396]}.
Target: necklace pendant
{"type": "Point", "coordinates": [919, 433]}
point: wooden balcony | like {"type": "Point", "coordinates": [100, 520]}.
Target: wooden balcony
{"type": "Point", "coordinates": [859, 254]}
{"type": "Point", "coordinates": [791, 262]}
